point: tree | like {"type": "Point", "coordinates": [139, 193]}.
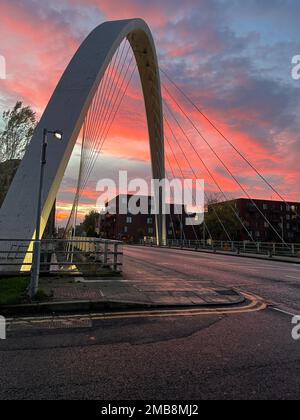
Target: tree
{"type": "Point", "coordinates": [19, 124]}
{"type": "Point", "coordinates": [90, 224]}
{"type": "Point", "coordinates": [222, 211]}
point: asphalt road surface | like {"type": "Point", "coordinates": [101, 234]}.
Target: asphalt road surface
{"type": "Point", "coordinates": [278, 283]}
{"type": "Point", "coordinates": [238, 355]}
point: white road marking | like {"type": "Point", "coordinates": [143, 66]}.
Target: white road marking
{"type": "Point", "coordinates": [283, 312]}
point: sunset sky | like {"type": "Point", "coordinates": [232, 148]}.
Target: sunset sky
{"type": "Point", "coordinates": [232, 57]}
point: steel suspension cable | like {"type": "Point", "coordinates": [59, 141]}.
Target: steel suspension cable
{"type": "Point", "coordinates": [183, 177]}
{"type": "Point", "coordinates": [156, 140]}
{"type": "Point", "coordinates": [220, 221]}
{"type": "Point", "coordinates": [104, 137]}
{"type": "Point", "coordinates": [180, 221]}
{"type": "Point", "coordinates": [182, 174]}
{"type": "Point", "coordinates": [73, 213]}
{"type": "Point", "coordinates": [79, 177]}
{"type": "Point", "coordinates": [211, 175]}
{"type": "Point", "coordinates": [107, 132]}
{"type": "Point", "coordinates": [195, 175]}
{"type": "Point", "coordinates": [225, 166]}
{"type": "Point", "coordinates": [102, 116]}
{"type": "Point", "coordinates": [89, 124]}
{"type": "Point", "coordinates": [92, 112]}
{"type": "Point", "coordinates": [101, 120]}
{"type": "Point", "coordinates": [262, 177]}
{"type": "Point", "coordinates": [118, 101]}
{"type": "Point", "coordinates": [98, 116]}
{"type": "Point", "coordinates": [97, 105]}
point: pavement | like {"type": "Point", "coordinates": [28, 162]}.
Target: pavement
{"type": "Point", "coordinates": [137, 288]}
{"type": "Point", "coordinates": [144, 289]}
{"type": "Point", "coordinates": [237, 352]}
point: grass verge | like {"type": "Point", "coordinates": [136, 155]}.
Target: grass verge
{"type": "Point", "coordinates": [13, 290]}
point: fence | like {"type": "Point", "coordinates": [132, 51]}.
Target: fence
{"type": "Point", "coordinates": [259, 248]}
{"type": "Point", "coordinates": [88, 256]}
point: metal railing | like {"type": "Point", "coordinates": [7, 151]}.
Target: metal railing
{"type": "Point", "coordinates": [87, 256]}
{"type": "Point", "coordinates": [269, 249]}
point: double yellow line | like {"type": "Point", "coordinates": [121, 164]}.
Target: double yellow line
{"type": "Point", "coordinates": [255, 304]}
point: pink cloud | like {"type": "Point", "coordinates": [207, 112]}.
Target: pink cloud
{"type": "Point", "coordinates": [36, 51]}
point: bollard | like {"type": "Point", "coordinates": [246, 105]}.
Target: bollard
{"type": "Point", "coordinates": [270, 254]}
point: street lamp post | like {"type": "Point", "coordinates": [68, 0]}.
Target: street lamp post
{"type": "Point", "coordinates": [36, 259]}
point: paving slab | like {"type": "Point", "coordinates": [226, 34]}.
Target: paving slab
{"type": "Point", "coordinates": [153, 291]}
{"type": "Point", "coordinates": [69, 294]}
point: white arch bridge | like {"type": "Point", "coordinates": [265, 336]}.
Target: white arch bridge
{"type": "Point", "coordinates": [67, 111]}
{"type": "Point", "coordinates": [78, 105]}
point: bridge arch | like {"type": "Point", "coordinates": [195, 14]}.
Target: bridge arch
{"type": "Point", "coordinates": [67, 110]}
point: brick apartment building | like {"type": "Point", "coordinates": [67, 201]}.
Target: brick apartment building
{"type": "Point", "coordinates": [132, 228]}
{"type": "Point", "coordinates": [284, 217]}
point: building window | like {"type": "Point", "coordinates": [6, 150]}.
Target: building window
{"type": "Point", "coordinates": [150, 231]}
{"type": "Point", "coordinates": [129, 220]}
{"type": "Point", "coordinates": [149, 221]}
{"type": "Point", "coordinates": [265, 206]}
{"type": "Point", "coordinates": [125, 229]}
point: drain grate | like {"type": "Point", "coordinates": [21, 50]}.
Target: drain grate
{"type": "Point", "coordinates": [226, 292]}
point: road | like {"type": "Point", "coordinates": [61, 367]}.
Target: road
{"type": "Point", "coordinates": [239, 355]}
{"type": "Point", "coordinates": [278, 283]}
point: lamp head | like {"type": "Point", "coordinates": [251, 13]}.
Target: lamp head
{"type": "Point", "coordinates": [58, 134]}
